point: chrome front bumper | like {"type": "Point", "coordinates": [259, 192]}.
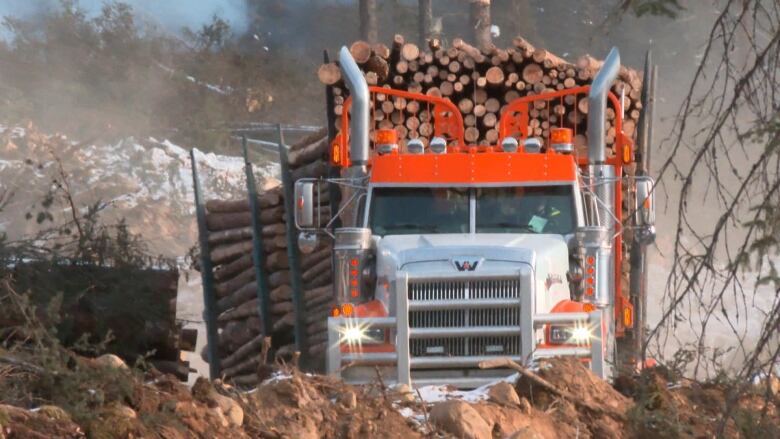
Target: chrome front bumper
{"type": "Point", "coordinates": [461, 370]}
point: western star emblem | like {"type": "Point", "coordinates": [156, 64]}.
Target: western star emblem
{"type": "Point", "coordinates": [466, 263]}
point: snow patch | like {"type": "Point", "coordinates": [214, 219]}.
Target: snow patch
{"type": "Point", "coordinates": [432, 394]}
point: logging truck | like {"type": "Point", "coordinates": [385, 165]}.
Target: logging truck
{"type": "Point", "coordinates": [448, 255]}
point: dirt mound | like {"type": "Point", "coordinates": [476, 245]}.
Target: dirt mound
{"type": "Point", "coordinates": [106, 399]}
{"type": "Point", "coordinates": [590, 407]}
{"type": "Point", "coordinates": [309, 406]}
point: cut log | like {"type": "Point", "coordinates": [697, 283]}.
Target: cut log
{"type": "Point", "coordinates": [281, 293]}
{"type": "Point", "coordinates": [225, 288]}
{"type": "Point", "coordinates": [246, 309]}
{"type": "Point", "coordinates": [465, 105]}
{"type": "Point", "coordinates": [242, 352]}
{"type": "Point", "coordinates": [410, 52]}
{"type": "Point", "coordinates": [224, 221]}
{"type": "Point", "coordinates": [244, 294]}
{"type": "Point", "coordinates": [317, 256]}
{"type": "Point", "coordinates": [329, 74]}
{"type": "Point", "coordinates": [230, 236]}
{"type": "Point", "coordinates": [381, 51]}
{"type": "Point", "coordinates": [532, 73]}
{"type": "Point", "coordinates": [313, 170]}
{"type": "Point", "coordinates": [316, 150]}
{"type": "Point", "coordinates": [361, 51]}
{"type": "Point", "coordinates": [319, 281]}
{"type": "Point", "coordinates": [285, 322]}
{"type": "Point", "coordinates": [277, 260]}
{"type": "Point", "coordinates": [227, 271]}
{"type": "Point", "coordinates": [244, 367]}
{"type": "Point", "coordinates": [279, 278]}
{"type": "Point", "coordinates": [312, 272]}
{"type": "Point", "coordinates": [281, 308]}
{"type": "Point", "coordinates": [225, 253]}
{"type": "Point", "coordinates": [379, 66]}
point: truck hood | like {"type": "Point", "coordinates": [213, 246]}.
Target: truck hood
{"type": "Point", "coordinates": [497, 251]}
{"type": "Point", "coordinates": [547, 255]}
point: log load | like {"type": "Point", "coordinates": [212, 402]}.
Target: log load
{"type": "Point", "coordinates": [481, 82]}
{"type": "Point", "coordinates": [230, 237]}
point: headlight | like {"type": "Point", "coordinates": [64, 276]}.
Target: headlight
{"type": "Point", "coordinates": [355, 335]}
{"type": "Point", "coordinates": [579, 335]}
{"type": "Point", "coordinates": [558, 334]}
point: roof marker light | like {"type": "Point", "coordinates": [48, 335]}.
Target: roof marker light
{"type": "Point", "coordinates": [415, 146]}
{"type": "Point", "coordinates": [532, 144]}
{"type": "Point", "coordinates": [561, 140]}
{"type": "Point", "coordinates": [509, 144]}
{"type": "Point", "coordinates": [438, 145]}
{"type": "Point", "coordinates": [386, 141]}
{"type": "Point", "coordinates": [387, 149]}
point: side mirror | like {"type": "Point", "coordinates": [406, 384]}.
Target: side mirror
{"type": "Point", "coordinates": [645, 207]}
{"type": "Point", "coordinates": [308, 242]}
{"type": "Point", "coordinates": [304, 204]}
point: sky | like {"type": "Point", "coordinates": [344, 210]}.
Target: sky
{"type": "Point", "coordinates": [171, 14]}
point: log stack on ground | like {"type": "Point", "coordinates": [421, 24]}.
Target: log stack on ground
{"type": "Point", "coordinates": [481, 82]}
{"type": "Point", "coordinates": [230, 238]}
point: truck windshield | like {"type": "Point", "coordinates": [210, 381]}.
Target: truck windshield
{"type": "Point", "coordinates": [406, 211]}
{"type": "Point", "coordinates": [525, 209]}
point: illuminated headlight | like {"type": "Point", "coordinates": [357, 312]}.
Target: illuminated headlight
{"type": "Point", "coordinates": [358, 335]}
{"type": "Point", "coordinates": [579, 335]}
{"type": "Point", "coordinates": [353, 335]}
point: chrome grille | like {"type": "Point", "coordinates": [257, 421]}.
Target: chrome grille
{"type": "Point", "coordinates": [466, 289]}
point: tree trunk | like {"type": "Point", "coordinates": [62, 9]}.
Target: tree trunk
{"type": "Point", "coordinates": [480, 22]}
{"type": "Point", "coordinates": [368, 21]}
{"type": "Point", "coordinates": [425, 21]}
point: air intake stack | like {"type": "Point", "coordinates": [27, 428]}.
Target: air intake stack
{"type": "Point", "coordinates": [358, 133]}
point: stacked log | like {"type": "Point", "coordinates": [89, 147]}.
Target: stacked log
{"type": "Point", "coordinates": [230, 239]}
{"type": "Point", "coordinates": [481, 82]}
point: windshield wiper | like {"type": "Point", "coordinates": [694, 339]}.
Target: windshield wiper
{"type": "Point", "coordinates": [524, 227]}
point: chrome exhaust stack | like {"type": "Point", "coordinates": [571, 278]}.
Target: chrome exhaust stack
{"type": "Point", "coordinates": [358, 136]}
{"type": "Point", "coordinates": [358, 123]}
{"type": "Point", "coordinates": [601, 180]}
{"type": "Point", "coordinates": [597, 105]}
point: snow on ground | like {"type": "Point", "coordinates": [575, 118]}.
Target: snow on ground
{"type": "Point", "coordinates": [431, 394]}
{"type": "Point", "coordinates": [147, 182]}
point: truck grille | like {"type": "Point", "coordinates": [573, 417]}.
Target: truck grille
{"type": "Point", "coordinates": [449, 290]}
